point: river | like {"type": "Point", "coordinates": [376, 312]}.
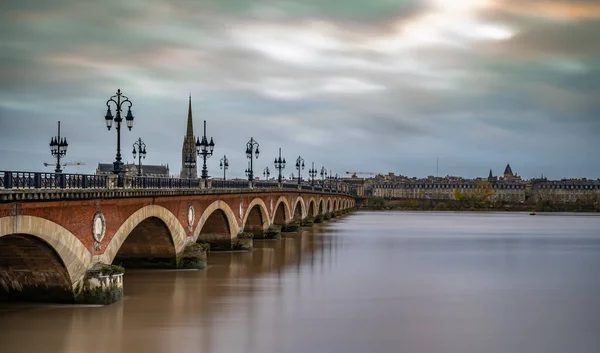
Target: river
{"type": "Point", "coordinates": [368, 282]}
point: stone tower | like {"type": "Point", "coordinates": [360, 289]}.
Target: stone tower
{"type": "Point", "coordinates": [188, 151]}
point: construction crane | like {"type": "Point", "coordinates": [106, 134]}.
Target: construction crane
{"type": "Point", "coordinates": [362, 173]}
{"type": "Point", "coordinates": [63, 164]}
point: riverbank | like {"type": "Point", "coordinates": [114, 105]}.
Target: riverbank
{"type": "Point", "coordinates": [455, 205]}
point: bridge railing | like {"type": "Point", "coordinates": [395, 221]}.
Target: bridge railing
{"type": "Point", "coordinates": [42, 180]}
{"type": "Point", "coordinates": [265, 184]}
{"type": "Point", "coordinates": [230, 184]}
{"type": "Point", "coordinates": [163, 183]}
{"type": "Point", "coordinates": [39, 180]}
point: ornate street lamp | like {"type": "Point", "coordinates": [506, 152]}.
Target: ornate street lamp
{"type": "Point", "coordinates": [280, 166]}
{"type": "Point", "coordinates": [300, 167]}
{"type": "Point", "coordinates": [58, 149]}
{"type": "Point", "coordinates": [141, 151]}
{"type": "Point", "coordinates": [313, 173]}
{"type": "Point", "coordinates": [120, 100]}
{"type": "Point", "coordinates": [204, 149]}
{"type": "Point", "coordinates": [267, 172]}
{"type": "Point", "coordinates": [323, 176]}
{"type": "Point", "coordinates": [224, 165]}
{"type": "Point", "coordinates": [251, 150]}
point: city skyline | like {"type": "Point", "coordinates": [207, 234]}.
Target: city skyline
{"type": "Point", "coordinates": [375, 87]}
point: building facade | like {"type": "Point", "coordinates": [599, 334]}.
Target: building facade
{"type": "Point", "coordinates": [508, 188]}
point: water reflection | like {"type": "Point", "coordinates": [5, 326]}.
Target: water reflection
{"type": "Point", "coordinates": [168, 310]}
{"type": "Point", "coordinates": [376, 281]}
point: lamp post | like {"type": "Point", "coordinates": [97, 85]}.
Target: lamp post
{"type": "Point", "coordinates": [224, 165]}
{"type": "Point", "coordinates": [267, 173]}
{"type": "Point", "coordinates": [120, 100]}
{"type": "Point", "coordinates": [58, 149]}
{"type": "Point", "coordinates": [251, 150]}
{"type": "Point", "coordinates": [313, 173]}
{"type": "Point", "coordinates": [141, 151]}
{"type": "Point", "coordinates": [323, 176]}
{"type": "Point", "coordinates": [204, 149]}
{"type": "Point", "coordinates": [300, 167]}
{"type": "Point", "coordinates": [279, 165]}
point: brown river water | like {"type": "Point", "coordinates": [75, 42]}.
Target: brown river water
{"type": "Point", "coordinates": [368, 282]}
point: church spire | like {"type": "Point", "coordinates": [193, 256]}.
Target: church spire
{"type": "Point", "coordinates": [490, 176]}
{"type": "Point", "coordinates": [190, 125]}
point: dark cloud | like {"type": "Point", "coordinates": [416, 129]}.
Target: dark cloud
{"type": "Point", "coordinates": [378, 86]}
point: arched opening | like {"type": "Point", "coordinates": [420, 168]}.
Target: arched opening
{"type": "Point", "coordinates": [321, 207]}
{"type": "Point", "coordinates": [255, 221]}
{"type": "Point", "coordinates": [335, 205]}
{"type": "Point", "coordinates": [279, 218]}
{"type": "Point", "coordinates": [311, 208]}
{"type": "Point", "coordinates": [149, 245]}
{"type": "Point", "coordinates": [31, 270]}
{"type": "Point", "coordinates": [298, 211]}
{"type": "Point", "coordinates": [216, 231]}
{"type": "Point", "coordinates": [328, 209]}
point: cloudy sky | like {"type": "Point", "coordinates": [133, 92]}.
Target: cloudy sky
{"type": "Point", "coordinates": [354, 85]}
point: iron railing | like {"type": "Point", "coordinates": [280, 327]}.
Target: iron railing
{"type": "Point", "coordinates": [163, 183]}
{"type": "Point", "coordinates": [38, 180]}
{"type": "Point", "coordinates": [230, 184]}
{"type": "Point", "coordinates": [42, 180]}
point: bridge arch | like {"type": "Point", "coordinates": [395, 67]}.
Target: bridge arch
{"type": "Point", "coordinates": [321, 206]}
{"type": "Point", "coordinates": [335, 204]}
{"type": "Point", "coordinates": [328, 205]}
{"type": "Point", "coordinates": [256, 218]}
{"type": "Point", "coordinates": [299, 212]}
{"type": "Point", "coordinates": [312, 207]}
{"type": "Point", "coordinates": [217, 219]}
{"type": "Point", "coordinates": [72, 252]}
{"type": "Point", "coordinates": [151, 216]}
{"type": "Point", "coordinates": [56, 250]}
{"type": "Point", "coordinates": [282, 212]}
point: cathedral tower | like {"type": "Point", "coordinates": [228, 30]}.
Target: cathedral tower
{"type": "Point", "coordinates": [188, 152]}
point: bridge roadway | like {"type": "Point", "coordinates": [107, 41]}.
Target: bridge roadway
{"type": "Point", "coordinates": [53, 241]}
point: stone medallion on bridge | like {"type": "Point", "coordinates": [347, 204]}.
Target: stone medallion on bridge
{"type": "Point", "coordinates": [241, 210]}
{"type": "Point", "coordinates": [98, 229]}
{"type": "Point", "coordinates": [191, 216]}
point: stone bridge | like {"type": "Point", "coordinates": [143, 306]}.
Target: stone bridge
{"type": "Point", "coordinates": [54, 244]}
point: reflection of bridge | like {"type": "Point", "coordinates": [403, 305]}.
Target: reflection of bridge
{"type": "Point", "coordinates": [51, 238]}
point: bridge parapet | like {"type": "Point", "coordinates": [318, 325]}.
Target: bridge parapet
{"type": "Point", "coordinates": [35, 186]}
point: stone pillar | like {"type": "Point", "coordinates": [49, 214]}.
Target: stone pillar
{"type": "Point", "coordinates": [243, 241]}
{"type": "Point", "coordinates": [102, 284]}
{"type": "Point", "coordinates": [193, 256]}
{"type": "Point", "coordinates": [308, 221]}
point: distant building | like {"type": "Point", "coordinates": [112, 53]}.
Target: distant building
{"type": "Point", "coordinates": [131, 170]}
{"type": "Point", "coordinates": [189, 169]}
{"type": "Point", "coordinates": [509, 188]}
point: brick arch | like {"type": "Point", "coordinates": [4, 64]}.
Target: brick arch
{"type": "Point", "coordinates": [312, 205]}
{"type": "Point", "coordinates": [73, 254]}
{"type": "Point", "coordinates": [286, 210]}
{"type": "Point", "coordinates": [222, 206]}
{"type": "Point", "coordinates": [299, 201]}
{"type": "Point", "coordinates": [321, 208]}
{"type": "Point", "coordinates": [263, 213]}
{"type": "Point", "coordinates": [328, 205]}
{"type": "Point", "coordinates": [175, 228]}
{"type": "Point", "coordinates": [335, 205]}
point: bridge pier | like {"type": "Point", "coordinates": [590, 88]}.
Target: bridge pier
{"type": "Point", "coordinates": [102, 284]}
{"type": "Point", "coordinates": [192, 257]}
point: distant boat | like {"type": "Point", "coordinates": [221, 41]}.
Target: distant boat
{"type": "Point", "coordinates": [532, 213]}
